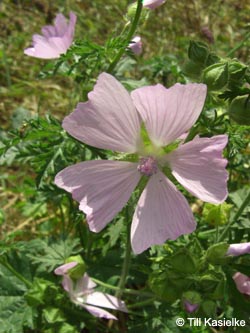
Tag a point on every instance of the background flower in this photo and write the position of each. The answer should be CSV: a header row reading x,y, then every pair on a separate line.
x,y
136,45
152,4
242,282
55,40
238,249
81,292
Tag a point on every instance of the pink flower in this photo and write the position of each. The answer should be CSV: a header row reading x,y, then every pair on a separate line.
x,y
81,292
136,45
238,249
55,40
189,307
242,282
112,119
152,4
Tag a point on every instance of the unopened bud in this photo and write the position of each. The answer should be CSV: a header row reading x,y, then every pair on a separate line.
x,y
198,52
239,110
216,76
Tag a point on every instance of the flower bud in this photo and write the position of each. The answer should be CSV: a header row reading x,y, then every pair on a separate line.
x,y
216,254
132,10
191,301
216,76
236,70
198,52
136,45
78,271
152,4
239,110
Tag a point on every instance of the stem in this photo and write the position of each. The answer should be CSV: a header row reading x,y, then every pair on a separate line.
x,y
126,262
237,47
125,290
14,272
236,216
143,303
129,36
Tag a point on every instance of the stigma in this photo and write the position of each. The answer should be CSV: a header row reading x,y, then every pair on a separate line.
x,y
147,166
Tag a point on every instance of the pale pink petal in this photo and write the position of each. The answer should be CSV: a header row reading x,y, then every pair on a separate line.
x,y
136,45
108,120
98,312
242,282
168,113
67,284
105,300
162,213
238,249
55,40
85,283
63,269
152,4
60,24
102,188
198,165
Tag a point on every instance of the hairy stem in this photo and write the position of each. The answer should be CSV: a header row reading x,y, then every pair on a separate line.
x,y
244,204
128,38
15,273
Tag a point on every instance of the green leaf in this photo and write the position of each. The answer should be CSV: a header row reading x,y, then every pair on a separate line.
x,y
55,254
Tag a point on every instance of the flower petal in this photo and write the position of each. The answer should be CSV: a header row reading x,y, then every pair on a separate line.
x,y
162,213
108,120
152,4
105,300
98,312
168,113
198,165
102,188
238,249
85,283
63,269
242,282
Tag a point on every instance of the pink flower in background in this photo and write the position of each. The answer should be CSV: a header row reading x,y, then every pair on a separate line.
x,y
189,307
242,282
55,40
112,119
152,4
81,292
136,45
238,249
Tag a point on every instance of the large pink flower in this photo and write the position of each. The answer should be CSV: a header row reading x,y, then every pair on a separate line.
x,y
81,292
112,119
55,40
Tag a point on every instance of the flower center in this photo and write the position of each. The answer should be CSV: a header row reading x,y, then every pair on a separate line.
x,y
147,166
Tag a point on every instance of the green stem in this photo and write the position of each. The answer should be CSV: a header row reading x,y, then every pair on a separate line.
x,y
236,216
125,290
237,47
129,36
14,272
126,262
143,303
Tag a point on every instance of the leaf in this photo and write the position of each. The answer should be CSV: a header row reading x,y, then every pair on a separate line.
x,y
55,254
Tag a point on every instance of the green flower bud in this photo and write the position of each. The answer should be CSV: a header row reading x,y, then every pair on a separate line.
x,y
198,52
216,214
216,76
78,271
132,10
236,70
212,59
183,262
192,69
216,254
239,110
209,308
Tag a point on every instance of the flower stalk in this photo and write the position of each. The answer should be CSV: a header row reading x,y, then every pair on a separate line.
x,y
129,37
15,273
